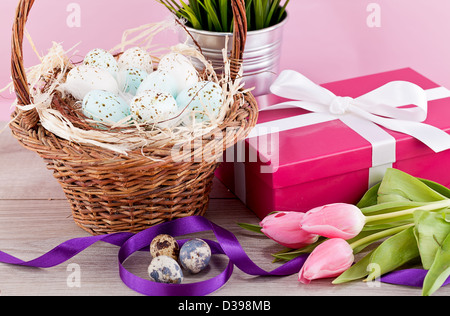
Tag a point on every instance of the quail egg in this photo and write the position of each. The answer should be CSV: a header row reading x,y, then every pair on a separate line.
x,y
163,269
195,255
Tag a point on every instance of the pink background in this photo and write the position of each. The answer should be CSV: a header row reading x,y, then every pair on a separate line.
x,y
325,40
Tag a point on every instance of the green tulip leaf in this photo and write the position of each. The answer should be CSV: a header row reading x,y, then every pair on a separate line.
x,y
439,271
370,198
437,187
251,227
399,186
430,231
356,271
390,207
394,252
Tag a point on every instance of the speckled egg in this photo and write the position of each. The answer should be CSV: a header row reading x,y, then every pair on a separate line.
x,y
159,81
181,69
130,80
136,57
106,107
164,269
164,245
83,79
153,107
202,101
100,58
195,255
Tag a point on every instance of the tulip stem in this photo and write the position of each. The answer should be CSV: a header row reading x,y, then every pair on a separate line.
x,y
432,206
377,236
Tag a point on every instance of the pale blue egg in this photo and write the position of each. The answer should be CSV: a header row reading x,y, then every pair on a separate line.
x,y
195,255
130,80
164,269
106,107
202,101
100,58
159,81
181,69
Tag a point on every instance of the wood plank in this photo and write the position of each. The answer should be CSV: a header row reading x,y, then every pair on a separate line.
x,y
35,217
31,228
24,175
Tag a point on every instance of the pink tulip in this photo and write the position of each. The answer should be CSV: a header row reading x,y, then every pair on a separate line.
x,y
284,228
334,221
328,260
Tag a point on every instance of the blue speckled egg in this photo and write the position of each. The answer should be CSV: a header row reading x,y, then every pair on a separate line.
x,y
104,106
130,79
181,69
159,81
195,255
201,101
164,269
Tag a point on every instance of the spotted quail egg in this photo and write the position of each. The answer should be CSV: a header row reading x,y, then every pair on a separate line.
x,y
164,269
195,255
164,245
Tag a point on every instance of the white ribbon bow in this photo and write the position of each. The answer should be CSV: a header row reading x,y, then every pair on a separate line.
x,y
380,106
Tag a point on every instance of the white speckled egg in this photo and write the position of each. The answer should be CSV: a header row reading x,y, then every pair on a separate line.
x,y
159,81
103,106
164,269
83,79
202,101
130,79
100,58
153,107
195,255
136,57
180,68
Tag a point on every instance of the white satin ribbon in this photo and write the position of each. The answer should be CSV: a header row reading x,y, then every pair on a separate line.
x,y
365,115
380,106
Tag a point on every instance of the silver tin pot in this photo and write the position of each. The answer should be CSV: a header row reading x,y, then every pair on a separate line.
x,y
261,56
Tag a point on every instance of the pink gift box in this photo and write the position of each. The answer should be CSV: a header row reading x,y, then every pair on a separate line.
x,y
328,162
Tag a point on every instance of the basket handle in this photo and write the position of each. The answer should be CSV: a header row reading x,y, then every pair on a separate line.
x,y
31,118
239,35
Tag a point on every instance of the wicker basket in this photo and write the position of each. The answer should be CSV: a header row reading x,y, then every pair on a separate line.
x,y
110,192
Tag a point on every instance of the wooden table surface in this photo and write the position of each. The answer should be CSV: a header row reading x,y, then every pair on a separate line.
x,y
35,217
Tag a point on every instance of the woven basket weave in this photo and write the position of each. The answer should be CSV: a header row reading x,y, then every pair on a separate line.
x,y
109,192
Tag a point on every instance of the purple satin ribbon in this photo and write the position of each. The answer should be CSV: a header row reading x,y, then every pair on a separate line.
x,y
226,244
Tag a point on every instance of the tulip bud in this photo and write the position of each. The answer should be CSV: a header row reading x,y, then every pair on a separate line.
x,y
284,228
334,221
328,260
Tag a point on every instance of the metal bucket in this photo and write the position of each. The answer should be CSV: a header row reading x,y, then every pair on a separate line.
x,y
261,56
